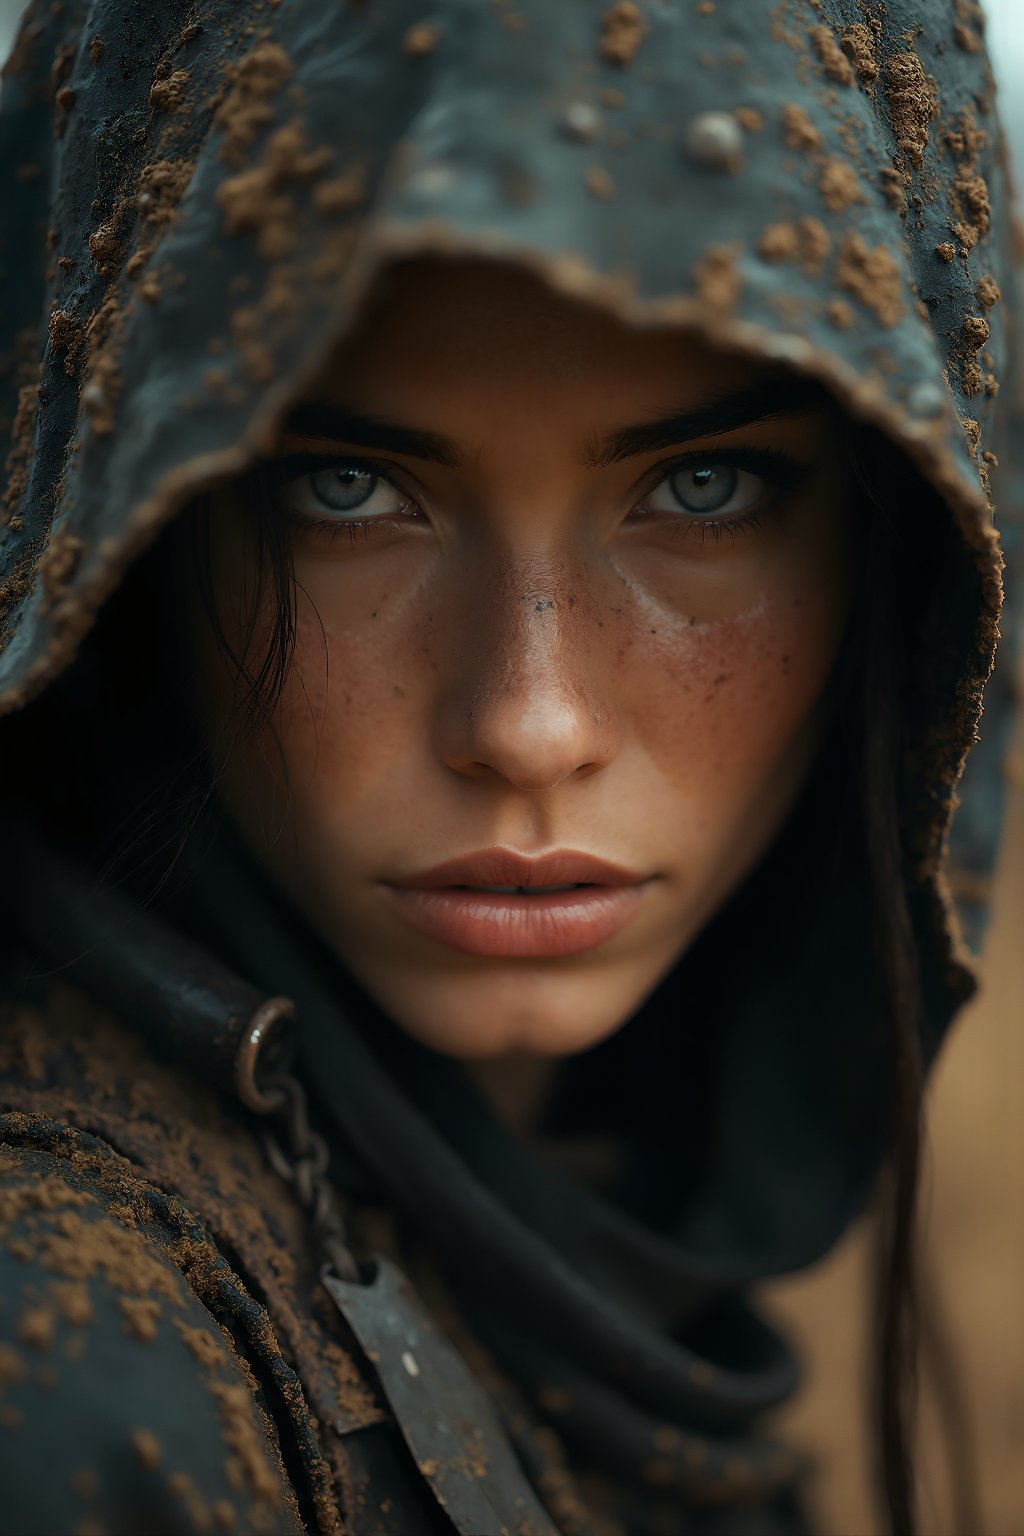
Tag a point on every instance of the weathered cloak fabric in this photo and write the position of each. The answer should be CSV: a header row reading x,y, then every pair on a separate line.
x,y
195,199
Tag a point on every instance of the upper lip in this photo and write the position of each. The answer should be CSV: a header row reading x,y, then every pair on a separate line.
x,y
503,866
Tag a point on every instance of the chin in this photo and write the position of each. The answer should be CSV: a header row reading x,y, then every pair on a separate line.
x,y
546,1016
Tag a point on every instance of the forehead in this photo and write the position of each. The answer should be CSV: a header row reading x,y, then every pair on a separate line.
x,y
494,326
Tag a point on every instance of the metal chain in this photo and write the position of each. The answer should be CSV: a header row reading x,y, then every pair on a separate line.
x,y
303,1162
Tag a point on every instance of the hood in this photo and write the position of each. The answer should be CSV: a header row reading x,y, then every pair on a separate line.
x,y
199,197
197,204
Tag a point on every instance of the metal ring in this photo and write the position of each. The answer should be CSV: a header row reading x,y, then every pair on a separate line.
x,y
264,1044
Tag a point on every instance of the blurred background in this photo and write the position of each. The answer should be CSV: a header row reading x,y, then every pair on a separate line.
x,y
974,1199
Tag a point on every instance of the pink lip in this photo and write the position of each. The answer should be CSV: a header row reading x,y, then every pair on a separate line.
x,y
442,903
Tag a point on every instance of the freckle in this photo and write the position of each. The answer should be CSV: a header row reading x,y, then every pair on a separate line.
x,y
399,692
798,602
693,621
373,615
720,679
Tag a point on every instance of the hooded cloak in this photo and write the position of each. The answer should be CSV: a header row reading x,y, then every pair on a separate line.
x,y
198,198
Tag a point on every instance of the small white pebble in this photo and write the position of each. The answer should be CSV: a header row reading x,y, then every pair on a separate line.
x,y
714,140
581,121
409,1362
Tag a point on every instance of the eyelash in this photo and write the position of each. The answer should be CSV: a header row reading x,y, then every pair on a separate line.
x,y
779,470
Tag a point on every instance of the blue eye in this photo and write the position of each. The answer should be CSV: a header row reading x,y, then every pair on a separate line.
x,y
705,489
342,488
344,491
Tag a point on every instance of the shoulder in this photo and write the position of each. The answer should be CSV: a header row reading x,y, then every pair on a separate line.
x,y
123,1404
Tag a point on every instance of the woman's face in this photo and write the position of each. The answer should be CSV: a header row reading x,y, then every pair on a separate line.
x,y
567,599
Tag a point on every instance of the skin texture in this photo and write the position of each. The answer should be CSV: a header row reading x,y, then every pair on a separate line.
x,y
536,654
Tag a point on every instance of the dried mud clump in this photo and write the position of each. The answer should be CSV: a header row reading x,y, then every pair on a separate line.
x,y
967,39
893,188
140,1316
14,588
798,131
815,245
147,1448
160,189
750,119
598,183
718,280
778,242
420,39
623,29
860,45
57,566
836,65
838,184
946,251
912,102
247,325
63,102
258,199
167,94
873,276
807,241
988,291
13,1369
969,202
66,336
248,1469
966,139
105,247
19,456
839,314
246,109
101,392
343,192
974,195
976,332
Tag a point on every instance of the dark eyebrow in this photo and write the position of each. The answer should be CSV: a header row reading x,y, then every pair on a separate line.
x,y
338,425
765,401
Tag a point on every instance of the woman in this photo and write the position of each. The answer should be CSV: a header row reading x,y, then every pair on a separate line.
x,y
551,447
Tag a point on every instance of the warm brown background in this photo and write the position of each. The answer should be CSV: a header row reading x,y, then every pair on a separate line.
x,y
974,1243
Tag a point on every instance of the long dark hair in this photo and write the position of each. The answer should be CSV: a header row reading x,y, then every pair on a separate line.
x,y
876,664
883,666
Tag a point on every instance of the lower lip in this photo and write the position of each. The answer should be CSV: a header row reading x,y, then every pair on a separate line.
x,y
524,927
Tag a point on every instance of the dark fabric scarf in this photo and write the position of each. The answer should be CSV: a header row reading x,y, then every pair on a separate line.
x,y
630,1310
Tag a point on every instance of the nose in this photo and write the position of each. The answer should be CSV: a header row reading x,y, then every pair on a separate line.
x,y
530,707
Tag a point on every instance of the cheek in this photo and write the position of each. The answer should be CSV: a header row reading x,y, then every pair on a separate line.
x,y
719,703
727,670
347,704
